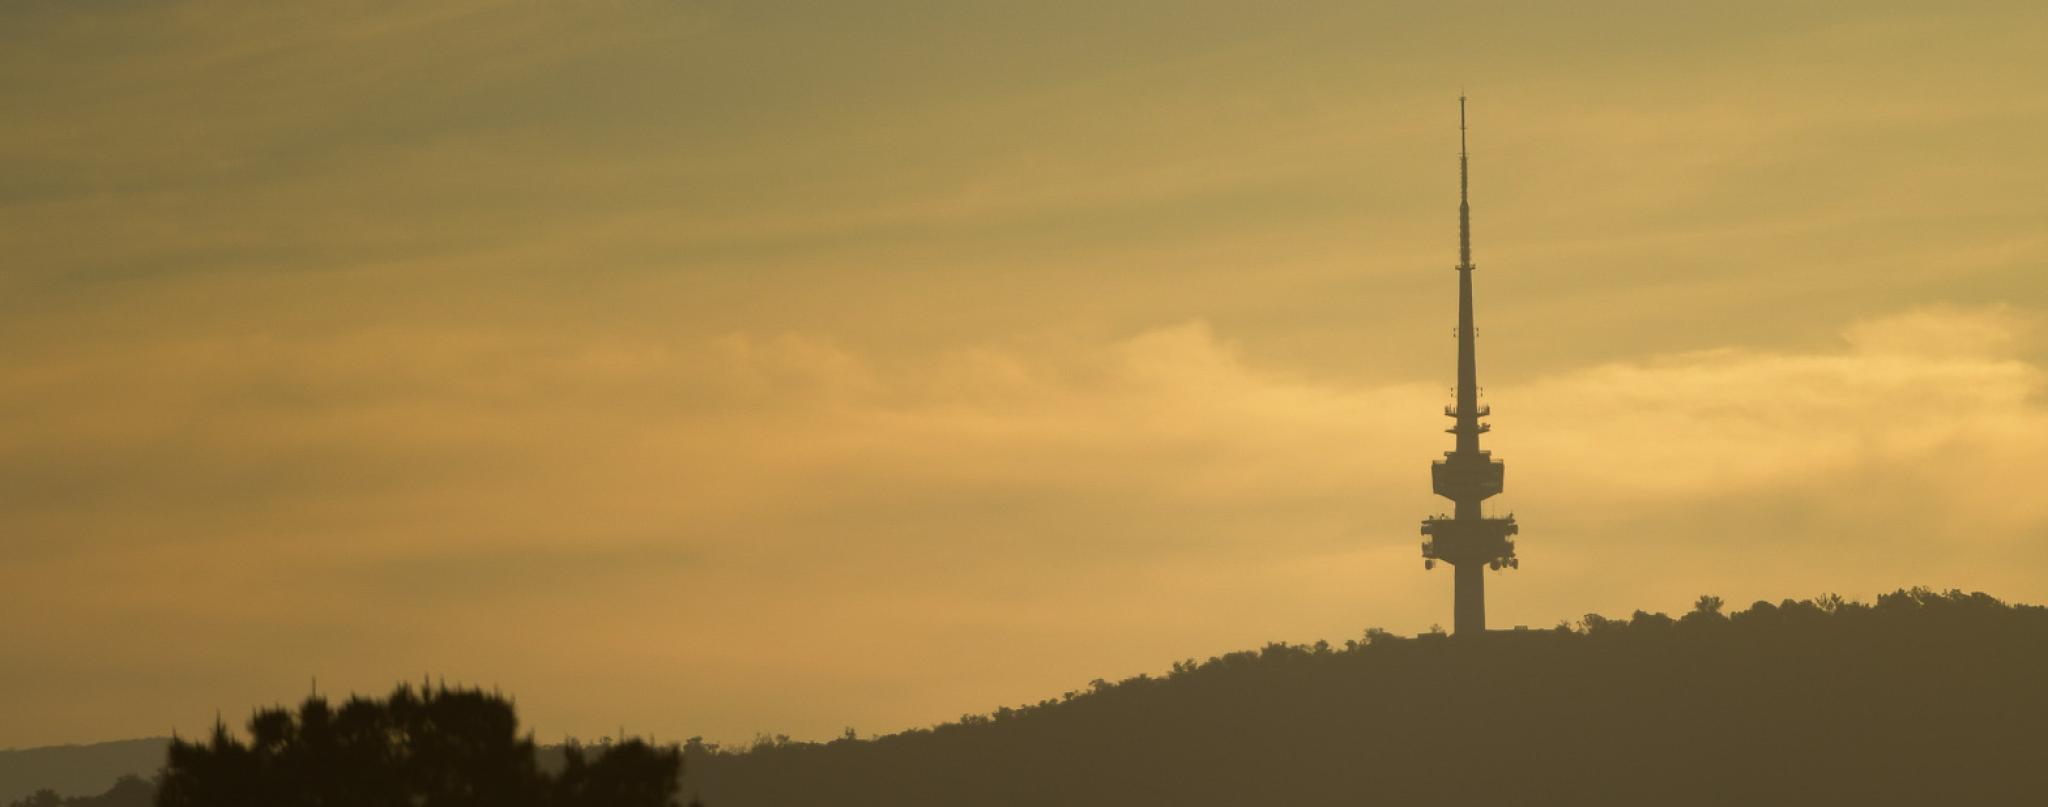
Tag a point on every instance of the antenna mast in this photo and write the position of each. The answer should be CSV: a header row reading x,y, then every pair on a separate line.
x,y
1464,203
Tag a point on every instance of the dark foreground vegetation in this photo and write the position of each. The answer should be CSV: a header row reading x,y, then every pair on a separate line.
x,y
437,747
1919,698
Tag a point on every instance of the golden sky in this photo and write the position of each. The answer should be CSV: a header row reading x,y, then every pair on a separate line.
x,y
721,367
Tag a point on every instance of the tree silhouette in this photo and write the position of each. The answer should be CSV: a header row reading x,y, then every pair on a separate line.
x,y
430,748
626,773
41,798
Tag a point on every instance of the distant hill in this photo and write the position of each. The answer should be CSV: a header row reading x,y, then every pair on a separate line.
x,y
1920,698
77,770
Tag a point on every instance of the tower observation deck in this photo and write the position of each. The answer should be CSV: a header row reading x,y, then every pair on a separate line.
x,y
1467,539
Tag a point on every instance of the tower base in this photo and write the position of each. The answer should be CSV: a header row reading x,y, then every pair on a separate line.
x,y
1470,590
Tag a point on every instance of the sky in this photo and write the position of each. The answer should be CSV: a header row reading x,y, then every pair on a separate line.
x,y
720,368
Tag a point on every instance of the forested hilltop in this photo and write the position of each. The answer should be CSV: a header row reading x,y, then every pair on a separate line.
x,y
1920,697
1937,698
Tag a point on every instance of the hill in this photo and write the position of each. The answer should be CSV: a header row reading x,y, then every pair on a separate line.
x,y
77,769
1920,697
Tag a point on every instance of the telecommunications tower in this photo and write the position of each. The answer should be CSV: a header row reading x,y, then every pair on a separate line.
x,y
1466,539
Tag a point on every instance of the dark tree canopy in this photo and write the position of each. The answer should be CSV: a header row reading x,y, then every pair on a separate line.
x,y
431,748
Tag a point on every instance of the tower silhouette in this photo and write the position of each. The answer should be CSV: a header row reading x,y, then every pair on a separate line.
x,y
1467,539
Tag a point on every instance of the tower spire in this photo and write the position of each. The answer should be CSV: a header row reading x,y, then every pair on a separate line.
x,y
1467,539
1464,203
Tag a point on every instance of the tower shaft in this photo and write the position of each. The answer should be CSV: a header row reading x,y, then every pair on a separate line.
x,y
1468,616
1467,428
